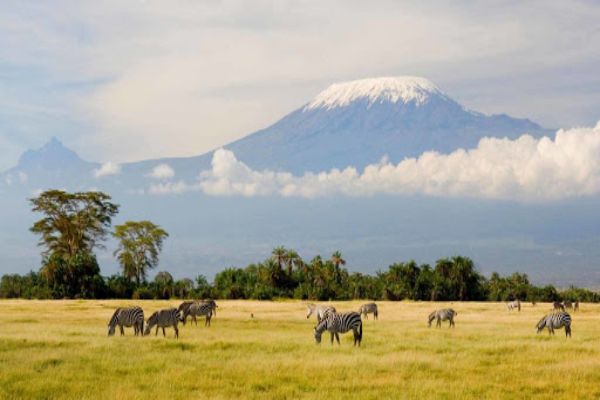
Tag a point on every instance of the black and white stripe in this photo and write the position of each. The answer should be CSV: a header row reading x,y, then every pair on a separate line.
x,y
513,305
163,319
320,311
557,305
132,316
446,314
365,309
197,308
340,323
555,320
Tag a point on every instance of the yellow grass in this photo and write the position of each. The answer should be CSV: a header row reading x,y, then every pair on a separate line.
x,y
59,349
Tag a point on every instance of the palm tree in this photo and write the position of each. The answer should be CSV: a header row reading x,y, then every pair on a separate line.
x,y
336,259
292,258
279,254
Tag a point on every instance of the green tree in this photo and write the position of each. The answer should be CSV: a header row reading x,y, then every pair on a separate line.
x,y
140,243
73,223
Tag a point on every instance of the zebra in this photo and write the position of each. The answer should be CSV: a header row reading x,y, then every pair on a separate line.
x,y
558,306
365,309
133,316
514,305
446,314
320,311
555,320
197,308
576,306
340,323
213,305
567,304
162,319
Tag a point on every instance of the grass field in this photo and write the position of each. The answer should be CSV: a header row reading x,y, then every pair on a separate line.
x,y
60,349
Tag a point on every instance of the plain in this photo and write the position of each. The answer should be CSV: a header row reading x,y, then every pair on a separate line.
x,y
258,350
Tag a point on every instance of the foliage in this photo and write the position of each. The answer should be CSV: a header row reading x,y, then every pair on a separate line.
x,y
73,223
140,243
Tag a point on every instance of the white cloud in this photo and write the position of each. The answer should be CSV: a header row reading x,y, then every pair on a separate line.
x,y
525,169
170,188
162,171
107,169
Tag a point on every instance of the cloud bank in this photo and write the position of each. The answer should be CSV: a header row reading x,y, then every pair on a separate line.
x,y
107,169
525,169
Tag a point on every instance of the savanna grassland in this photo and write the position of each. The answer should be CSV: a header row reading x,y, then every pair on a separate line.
x,y
60,349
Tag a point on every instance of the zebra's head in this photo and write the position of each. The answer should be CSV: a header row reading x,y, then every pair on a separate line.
x,y
318,336
150,323
112,324
111,329
431,318
541,325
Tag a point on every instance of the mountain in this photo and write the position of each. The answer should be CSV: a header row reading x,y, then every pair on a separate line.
x,y
356,123
52,164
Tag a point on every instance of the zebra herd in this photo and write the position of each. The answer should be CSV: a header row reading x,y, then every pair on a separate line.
x,y
169,317
328,319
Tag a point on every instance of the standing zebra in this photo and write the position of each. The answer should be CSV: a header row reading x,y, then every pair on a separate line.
x,y
133,316
514,305
163,319
213,305
320,311
555,320
558,306
365,309
576,306
195,309
567,304
340,323
446,314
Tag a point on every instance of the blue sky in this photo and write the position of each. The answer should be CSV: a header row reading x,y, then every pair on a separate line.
x,y
124,81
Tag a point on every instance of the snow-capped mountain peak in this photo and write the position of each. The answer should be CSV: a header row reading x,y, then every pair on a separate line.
x,y
403,89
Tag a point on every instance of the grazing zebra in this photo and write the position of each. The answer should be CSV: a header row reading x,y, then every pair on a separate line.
x,y
197,308
555,320
133,316
446,314
576,306
163,319
558,306
320,311
514,305
365,309
340,323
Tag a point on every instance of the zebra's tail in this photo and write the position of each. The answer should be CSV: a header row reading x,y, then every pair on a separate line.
x,y
360,332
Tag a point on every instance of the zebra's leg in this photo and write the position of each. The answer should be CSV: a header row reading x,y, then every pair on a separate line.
x,y
156,333
332,336
195,320
568,330
438,323
164,333
122,330
176,331
376,314
451,323
337,337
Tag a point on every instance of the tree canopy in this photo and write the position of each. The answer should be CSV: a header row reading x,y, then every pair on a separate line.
x,y
140,243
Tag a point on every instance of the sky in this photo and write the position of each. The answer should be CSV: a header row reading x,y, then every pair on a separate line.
x,y
129,80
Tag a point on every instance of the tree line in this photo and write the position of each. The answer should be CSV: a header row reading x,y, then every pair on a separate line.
x,y
74,224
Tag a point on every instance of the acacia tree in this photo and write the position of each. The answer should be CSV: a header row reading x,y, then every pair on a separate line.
x,y
73,222
140,243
